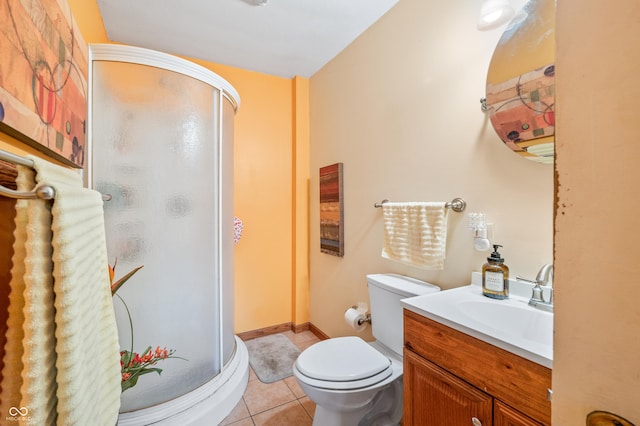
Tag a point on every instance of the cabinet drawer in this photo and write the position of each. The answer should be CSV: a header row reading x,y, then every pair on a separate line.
x,y
510,378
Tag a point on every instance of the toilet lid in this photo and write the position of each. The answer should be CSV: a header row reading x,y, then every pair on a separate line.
x,y
342,359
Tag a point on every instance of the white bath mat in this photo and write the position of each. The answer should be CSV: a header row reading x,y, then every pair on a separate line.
x,y
272,357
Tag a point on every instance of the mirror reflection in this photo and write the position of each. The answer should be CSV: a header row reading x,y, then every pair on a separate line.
x,y
520,92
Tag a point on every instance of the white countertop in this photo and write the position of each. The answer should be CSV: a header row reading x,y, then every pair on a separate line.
x,y
509,324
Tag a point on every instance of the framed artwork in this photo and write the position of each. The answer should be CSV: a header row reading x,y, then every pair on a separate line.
x,y
43,78
331,210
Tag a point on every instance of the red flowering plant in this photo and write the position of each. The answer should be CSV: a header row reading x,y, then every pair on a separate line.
x,y
132,364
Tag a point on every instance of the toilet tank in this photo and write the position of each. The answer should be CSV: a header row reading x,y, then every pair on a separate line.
x,y
385,293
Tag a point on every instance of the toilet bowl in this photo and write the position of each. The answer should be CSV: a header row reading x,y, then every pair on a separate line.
x,y
346,377
354,382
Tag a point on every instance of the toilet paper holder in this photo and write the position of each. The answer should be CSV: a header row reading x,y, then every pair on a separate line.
x,y
367,316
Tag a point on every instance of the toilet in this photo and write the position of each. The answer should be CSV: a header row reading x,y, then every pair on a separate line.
x,y
354,382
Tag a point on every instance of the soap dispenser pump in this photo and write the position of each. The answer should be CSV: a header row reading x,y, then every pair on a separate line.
x,y
495,276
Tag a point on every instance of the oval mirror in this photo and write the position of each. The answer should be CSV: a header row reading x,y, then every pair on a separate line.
x,y
520,93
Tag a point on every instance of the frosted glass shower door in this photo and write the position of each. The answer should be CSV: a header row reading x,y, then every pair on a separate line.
x,y
156,152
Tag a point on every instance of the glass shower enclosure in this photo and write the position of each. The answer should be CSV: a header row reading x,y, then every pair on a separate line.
x,y
160,151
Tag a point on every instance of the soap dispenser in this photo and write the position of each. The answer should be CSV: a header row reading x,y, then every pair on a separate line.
x,y
495,276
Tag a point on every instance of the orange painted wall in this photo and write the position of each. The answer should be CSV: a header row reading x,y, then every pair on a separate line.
x,y
10,144
264,188
301,177
263,197
87,16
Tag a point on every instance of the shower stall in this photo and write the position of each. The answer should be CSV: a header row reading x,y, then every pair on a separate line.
x,y
160,150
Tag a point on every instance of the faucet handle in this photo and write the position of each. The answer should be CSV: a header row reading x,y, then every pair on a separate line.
x,y
526,280
537,295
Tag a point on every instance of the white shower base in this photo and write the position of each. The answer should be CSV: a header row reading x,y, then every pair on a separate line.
x,y
205,406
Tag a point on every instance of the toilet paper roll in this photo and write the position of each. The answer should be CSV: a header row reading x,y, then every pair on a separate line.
x,y
355,319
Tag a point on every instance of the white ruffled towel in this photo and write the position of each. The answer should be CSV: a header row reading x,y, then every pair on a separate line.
x,y
415,233
62,361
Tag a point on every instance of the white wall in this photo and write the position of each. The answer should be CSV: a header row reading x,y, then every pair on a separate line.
x,y
400,108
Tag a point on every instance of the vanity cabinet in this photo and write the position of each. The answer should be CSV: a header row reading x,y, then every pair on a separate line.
x,y
503,415
435,397
451,378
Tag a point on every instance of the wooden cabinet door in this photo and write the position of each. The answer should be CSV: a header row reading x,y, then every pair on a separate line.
x,y
505,376
435,397
503,415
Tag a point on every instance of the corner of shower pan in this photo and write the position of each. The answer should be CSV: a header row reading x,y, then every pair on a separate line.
x,y
207,405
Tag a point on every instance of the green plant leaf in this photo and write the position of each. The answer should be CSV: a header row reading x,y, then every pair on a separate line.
x,y
115,286
133,380
130,321
127,384
126,358
150,370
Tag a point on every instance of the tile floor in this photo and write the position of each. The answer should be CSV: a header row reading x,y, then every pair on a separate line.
x,y
281,403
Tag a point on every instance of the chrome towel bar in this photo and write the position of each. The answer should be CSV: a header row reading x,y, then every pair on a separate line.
x,y
44,192
457,204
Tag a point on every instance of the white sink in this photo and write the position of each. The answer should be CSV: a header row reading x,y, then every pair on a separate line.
x,y
515,320
510,324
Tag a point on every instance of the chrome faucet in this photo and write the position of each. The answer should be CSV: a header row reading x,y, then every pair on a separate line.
x,y
543,279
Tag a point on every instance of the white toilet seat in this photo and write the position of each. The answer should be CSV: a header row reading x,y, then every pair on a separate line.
x,y
343,363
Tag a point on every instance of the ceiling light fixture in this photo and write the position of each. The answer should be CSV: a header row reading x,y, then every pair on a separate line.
x,y
257,2
494,13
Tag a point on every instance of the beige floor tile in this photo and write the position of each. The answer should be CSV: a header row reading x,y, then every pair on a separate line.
x,y
306,338
282,403
240,412
260,397
294,386
290,414
308,405
304,345
303,340
252,374
243,422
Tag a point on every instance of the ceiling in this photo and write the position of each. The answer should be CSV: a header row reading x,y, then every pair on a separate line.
x,y
284,38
